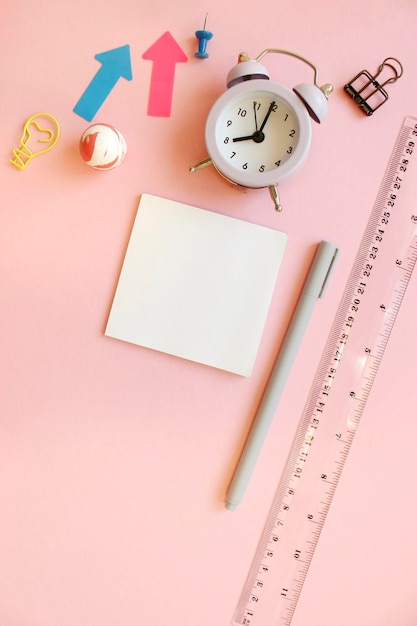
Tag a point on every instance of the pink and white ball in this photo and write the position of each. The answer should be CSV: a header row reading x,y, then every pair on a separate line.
x,y
102,147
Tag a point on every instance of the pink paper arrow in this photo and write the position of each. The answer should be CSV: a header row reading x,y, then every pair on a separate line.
x,y
165,54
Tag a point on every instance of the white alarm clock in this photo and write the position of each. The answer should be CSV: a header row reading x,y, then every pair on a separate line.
x,y
259,132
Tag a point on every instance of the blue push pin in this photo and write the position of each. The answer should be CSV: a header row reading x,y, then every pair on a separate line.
x,y
203,37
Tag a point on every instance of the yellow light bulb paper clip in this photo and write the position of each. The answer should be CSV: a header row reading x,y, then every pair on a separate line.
x,y
40,134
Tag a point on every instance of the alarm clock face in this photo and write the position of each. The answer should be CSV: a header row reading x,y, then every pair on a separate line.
x,y
258,133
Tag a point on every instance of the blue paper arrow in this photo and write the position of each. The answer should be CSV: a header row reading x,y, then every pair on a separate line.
x,y
115,64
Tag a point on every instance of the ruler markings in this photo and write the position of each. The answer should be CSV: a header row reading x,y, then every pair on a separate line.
x,y
324,436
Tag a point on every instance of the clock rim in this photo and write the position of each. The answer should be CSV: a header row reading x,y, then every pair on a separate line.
x,y
258,180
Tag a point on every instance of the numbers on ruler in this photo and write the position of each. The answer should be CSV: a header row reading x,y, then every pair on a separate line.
x,y
408,150
303,455
390,203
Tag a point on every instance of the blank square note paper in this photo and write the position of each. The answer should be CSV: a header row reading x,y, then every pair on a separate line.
x,y
196,284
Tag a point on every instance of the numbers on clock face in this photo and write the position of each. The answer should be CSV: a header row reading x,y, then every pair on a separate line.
x,y
258,134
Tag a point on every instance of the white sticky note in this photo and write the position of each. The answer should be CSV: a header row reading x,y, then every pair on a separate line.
x,y
196,284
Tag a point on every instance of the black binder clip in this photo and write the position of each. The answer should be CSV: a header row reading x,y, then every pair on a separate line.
x,y
369,93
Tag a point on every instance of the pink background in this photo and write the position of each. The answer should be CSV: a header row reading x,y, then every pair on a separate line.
x,y
114,459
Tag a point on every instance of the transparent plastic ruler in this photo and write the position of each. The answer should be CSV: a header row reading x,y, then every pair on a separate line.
x,y
349,364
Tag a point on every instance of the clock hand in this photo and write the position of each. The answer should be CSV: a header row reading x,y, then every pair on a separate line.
x,y
243,138
271,107
254,112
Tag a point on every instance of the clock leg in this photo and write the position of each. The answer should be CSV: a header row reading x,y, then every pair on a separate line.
x,y
273,191
200,165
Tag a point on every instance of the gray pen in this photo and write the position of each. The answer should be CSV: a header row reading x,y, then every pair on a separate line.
x,y
314,288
